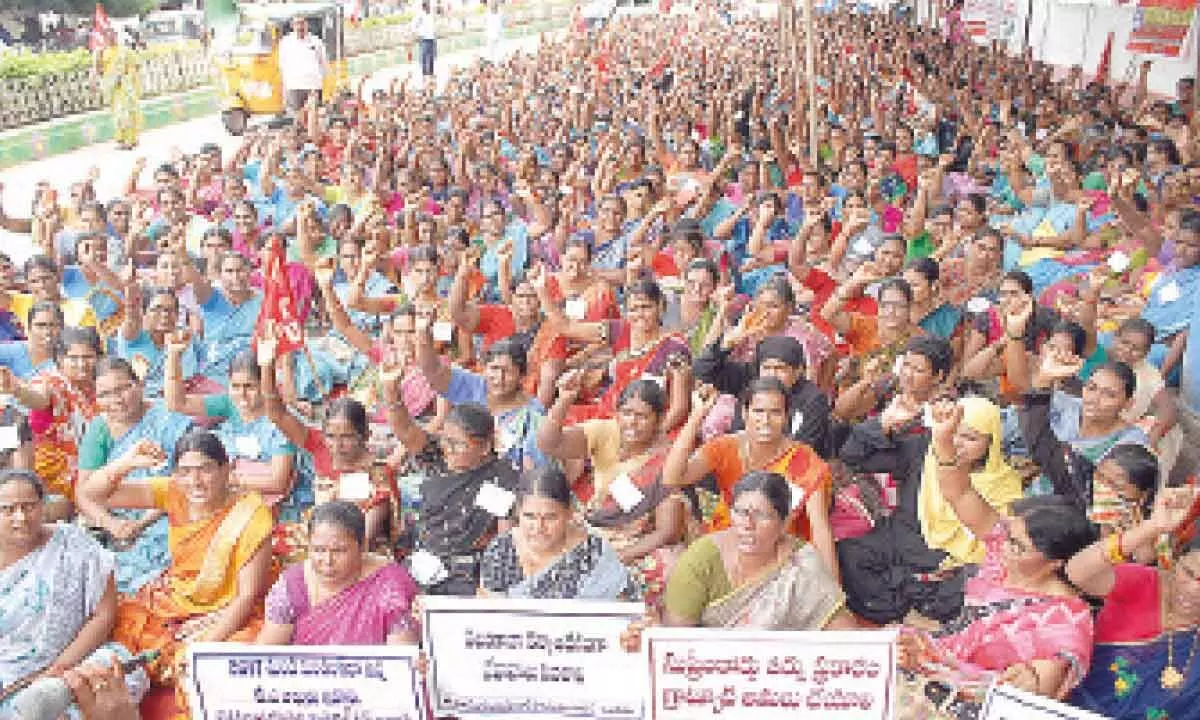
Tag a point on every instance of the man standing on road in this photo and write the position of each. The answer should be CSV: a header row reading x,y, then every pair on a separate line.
x,y
493,30
425,28
303,64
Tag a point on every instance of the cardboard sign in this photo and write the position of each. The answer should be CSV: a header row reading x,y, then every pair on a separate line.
x,y
1008,703
759,675
228,680
498,658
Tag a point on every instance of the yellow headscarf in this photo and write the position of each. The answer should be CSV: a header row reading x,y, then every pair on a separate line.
x,y
998,483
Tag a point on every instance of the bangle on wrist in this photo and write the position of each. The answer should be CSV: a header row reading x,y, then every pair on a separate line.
x,y
1014,338
1112,549
946,463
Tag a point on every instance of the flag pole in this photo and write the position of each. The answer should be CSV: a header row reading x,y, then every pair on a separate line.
x,y
810,62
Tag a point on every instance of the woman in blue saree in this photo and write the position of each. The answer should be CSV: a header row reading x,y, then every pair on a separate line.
x,y
125,419
494,233
1143,664
928,311
548,556
1172,295
57,598
230,314
30,357
263,459
143,337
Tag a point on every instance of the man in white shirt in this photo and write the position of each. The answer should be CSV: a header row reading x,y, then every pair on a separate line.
x,y
303,64
493,30
425,28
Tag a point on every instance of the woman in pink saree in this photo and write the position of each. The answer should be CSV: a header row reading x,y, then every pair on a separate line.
x,y
1023,622
311,601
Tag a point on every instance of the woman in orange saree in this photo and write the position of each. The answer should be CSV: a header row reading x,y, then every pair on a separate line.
x,y
763,445
581,298
220,552
61,400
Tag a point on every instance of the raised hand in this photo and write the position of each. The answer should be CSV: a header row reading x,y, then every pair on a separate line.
x,y
1017,316
901,411
1172,506
144,456
947,415
570,385
177,341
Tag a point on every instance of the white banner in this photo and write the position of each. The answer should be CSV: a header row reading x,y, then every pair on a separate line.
x,y
759,675
237,681
501,658
1008,703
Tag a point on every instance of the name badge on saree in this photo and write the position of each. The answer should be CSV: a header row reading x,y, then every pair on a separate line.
x,y
9,438
354,487
427,568
798,495
495,499
576,309
247,446
442,331
625,493
1169,293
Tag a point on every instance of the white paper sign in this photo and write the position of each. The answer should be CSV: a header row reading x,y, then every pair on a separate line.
x,y
228,680
1008,703
495,499
759,675
501,658
354,486
9,438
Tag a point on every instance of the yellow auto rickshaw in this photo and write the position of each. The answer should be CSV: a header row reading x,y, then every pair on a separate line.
x,y
250,79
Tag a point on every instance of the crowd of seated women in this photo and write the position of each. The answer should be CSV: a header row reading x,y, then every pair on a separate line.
x,y
589,324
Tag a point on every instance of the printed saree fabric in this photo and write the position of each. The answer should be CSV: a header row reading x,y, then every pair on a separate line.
x,y
206,556
796,594
380,603
802,467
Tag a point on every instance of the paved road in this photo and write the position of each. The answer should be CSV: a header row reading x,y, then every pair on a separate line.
x,y
156,146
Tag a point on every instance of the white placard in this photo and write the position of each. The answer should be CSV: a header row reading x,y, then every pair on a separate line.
x,y
228,680
759,675
1008,703
502,658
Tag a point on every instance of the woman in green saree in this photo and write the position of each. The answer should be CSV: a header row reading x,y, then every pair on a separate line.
x,y
755,575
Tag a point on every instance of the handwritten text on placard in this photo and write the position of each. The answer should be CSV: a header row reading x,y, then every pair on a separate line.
x,y
755,675
531,657
233,681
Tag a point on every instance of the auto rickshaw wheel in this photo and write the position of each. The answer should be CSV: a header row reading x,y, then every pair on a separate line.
x,y
235,121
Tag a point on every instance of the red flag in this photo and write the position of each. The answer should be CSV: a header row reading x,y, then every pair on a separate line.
x,y
102,30
1102,67
279,317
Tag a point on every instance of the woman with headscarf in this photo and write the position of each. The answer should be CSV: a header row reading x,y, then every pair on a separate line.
x,y
911,560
